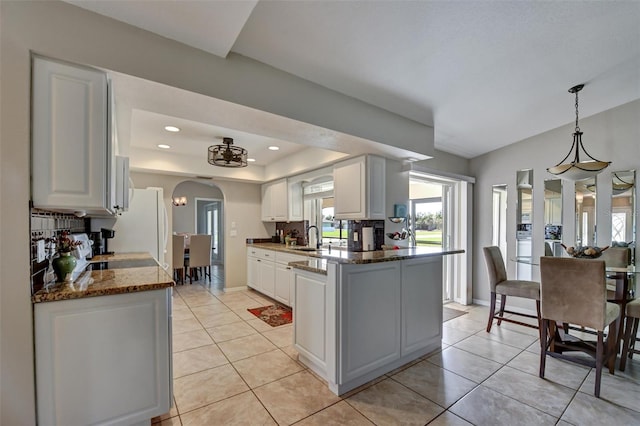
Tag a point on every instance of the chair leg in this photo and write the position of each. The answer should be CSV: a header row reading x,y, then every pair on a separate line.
x,y
543,346
191,275
539,320
634,333
599,353
612,349
503,302
631,323
492,311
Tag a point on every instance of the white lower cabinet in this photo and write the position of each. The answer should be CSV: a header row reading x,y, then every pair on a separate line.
x,y
361,321
268,272
104,360
421,304
369,318
310,325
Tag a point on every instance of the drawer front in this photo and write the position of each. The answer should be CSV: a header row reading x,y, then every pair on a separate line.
x,y
261,253
285,258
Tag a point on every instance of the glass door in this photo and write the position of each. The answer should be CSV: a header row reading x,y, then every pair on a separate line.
x,y
431,224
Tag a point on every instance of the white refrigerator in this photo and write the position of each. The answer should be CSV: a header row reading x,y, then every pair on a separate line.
x,y
143,228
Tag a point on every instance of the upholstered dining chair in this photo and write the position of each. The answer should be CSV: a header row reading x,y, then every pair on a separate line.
x,y
178,258
574,291
504,287
200,255
630,332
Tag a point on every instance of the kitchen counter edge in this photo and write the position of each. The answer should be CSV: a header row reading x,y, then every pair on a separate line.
x,y
351,257
92,283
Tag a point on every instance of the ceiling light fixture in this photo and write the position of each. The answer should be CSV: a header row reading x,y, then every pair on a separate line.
x,y
577,169
164,146
274,148
226,155
172,128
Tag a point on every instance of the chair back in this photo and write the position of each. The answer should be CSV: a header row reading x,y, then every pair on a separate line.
x,y
495,266
178,251
617,257
573,291
200,250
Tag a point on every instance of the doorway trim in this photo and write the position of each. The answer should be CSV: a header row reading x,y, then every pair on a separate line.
x,y
219,240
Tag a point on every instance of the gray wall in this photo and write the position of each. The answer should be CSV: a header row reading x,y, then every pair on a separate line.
x,y
613,135
184,217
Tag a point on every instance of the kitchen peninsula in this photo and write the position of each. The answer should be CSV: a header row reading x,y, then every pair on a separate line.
x,y
359,315
103,344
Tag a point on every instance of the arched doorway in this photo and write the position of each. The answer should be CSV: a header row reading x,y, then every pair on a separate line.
x,y
199,209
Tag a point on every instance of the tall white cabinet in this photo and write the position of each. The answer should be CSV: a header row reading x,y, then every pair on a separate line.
x,y
73,158
359,188
104,360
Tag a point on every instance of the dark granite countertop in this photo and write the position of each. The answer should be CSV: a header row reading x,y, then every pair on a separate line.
x,y
111,274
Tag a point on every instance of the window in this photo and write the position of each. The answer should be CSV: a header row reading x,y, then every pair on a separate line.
x,y
319,211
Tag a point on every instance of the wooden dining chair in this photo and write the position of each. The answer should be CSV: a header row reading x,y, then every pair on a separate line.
x,y
200,255
573,291
630,332
499,284
178,258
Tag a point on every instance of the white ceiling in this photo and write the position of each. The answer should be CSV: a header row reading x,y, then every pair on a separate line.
x,y
485,74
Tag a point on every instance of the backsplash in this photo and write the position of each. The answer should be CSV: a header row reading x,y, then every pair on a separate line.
x,y
300,229
45,225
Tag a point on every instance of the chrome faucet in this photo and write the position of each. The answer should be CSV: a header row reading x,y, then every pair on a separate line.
x,y
317,235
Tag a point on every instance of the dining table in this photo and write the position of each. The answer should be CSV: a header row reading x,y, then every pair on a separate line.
x,y
625,289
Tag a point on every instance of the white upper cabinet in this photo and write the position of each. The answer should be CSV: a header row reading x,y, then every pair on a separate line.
x,y
359,188
281,201
72,156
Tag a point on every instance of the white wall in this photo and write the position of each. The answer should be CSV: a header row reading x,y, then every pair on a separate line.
x,y
613,135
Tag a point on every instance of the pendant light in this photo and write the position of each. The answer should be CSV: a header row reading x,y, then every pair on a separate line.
x,y
226,155
578,168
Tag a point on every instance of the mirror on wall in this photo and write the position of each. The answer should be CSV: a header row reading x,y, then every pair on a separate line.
x,y
586,212
553,217
524,217
623,208
499,221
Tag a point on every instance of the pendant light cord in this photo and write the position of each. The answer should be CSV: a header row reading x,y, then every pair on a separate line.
x,y
577,127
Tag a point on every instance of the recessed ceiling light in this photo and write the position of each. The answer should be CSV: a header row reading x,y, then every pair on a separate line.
x,y
163,146
172,128
251,160
274,148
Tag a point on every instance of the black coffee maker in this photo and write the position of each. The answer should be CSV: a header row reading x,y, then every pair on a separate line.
x,y
106,235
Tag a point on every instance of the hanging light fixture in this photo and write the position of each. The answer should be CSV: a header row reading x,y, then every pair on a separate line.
x,y
578,169
619,185
226,155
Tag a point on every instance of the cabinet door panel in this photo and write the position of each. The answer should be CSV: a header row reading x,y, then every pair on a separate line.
x,y
103,360
421,303
369,318
349,189
283,276
70,133
310,319
267,277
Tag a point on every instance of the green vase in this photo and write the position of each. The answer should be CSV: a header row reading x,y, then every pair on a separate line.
x,y
63,266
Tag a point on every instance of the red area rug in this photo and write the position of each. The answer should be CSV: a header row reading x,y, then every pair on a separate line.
x,y
274,315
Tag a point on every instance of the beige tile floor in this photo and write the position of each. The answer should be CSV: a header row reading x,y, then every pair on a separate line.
x,y
232,369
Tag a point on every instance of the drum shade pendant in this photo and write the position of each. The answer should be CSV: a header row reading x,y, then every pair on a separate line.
x,y
578,168
226,155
